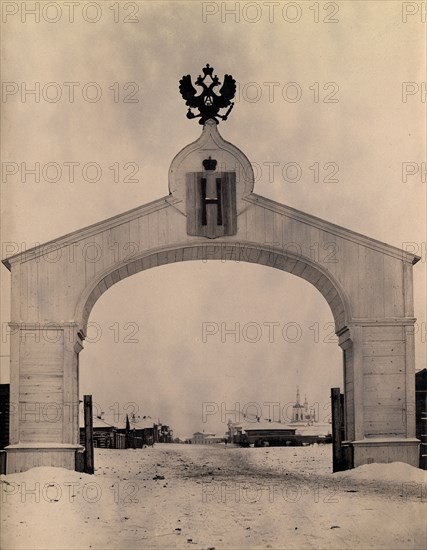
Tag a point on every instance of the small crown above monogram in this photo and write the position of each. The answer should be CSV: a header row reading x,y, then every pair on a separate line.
x,y
209,164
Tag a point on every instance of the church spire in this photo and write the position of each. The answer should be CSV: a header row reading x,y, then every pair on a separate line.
x,y
297,396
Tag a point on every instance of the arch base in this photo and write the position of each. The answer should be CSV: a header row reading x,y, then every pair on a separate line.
x,y
385,450
23,456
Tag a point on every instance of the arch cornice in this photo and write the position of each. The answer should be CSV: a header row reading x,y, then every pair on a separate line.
x,y
333,229
171,201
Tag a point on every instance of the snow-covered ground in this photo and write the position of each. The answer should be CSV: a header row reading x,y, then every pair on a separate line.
x,y
182,496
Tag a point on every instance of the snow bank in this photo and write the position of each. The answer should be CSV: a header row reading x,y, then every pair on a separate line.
x,y
47,507
394,471
44,472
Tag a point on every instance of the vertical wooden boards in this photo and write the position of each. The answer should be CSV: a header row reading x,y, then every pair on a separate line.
x,y
41,360
384,384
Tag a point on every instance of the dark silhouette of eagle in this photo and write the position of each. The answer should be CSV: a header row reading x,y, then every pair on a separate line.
x,y
208,102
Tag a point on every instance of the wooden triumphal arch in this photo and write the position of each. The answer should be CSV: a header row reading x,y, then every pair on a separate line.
x,y
211,212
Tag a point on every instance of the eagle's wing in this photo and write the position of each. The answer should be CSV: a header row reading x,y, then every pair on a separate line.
x,y
227,90
188,91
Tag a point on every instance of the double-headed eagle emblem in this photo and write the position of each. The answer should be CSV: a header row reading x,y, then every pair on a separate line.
x,y
209,103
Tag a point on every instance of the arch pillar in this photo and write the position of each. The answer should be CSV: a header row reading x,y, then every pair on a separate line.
x,y
379,370
44,408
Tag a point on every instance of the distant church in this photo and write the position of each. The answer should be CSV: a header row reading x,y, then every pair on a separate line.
x,y
302,413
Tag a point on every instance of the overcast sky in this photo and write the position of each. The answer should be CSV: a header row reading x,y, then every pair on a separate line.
x,y
344,108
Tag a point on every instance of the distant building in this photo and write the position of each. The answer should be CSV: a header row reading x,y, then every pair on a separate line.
x,y
302,413
128,433
260,433
233,429
164,433
213,439
103,434
198,438
202,438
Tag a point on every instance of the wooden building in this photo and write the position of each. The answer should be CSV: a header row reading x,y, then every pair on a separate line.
x,y
103,434
4,415
4,424
128,434
421,414
262,434
275,434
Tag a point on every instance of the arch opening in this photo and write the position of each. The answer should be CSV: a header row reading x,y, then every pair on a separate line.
x,y
271,365
288,261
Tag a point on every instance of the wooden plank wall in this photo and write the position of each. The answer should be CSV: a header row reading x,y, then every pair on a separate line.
x,y
40,388
384,366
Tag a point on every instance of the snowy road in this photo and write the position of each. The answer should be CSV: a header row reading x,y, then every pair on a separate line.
x,y
196,496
